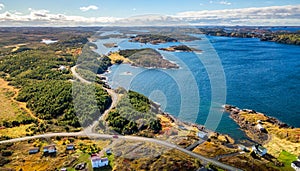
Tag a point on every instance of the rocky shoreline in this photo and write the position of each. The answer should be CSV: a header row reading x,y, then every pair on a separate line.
x,y
256,126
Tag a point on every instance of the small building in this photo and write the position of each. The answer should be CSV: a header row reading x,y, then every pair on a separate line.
x,y
108,151
34,150
63,169
62,68
261,128
70,147
98,162
296,165
259,150
49,149
243,148
201,134
80,166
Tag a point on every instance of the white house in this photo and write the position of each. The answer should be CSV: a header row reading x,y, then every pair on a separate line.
x,y
99,162
62,68
296,165
260,127
259,150
201,134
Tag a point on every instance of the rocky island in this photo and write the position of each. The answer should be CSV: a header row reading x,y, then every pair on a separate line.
x,y
146,57
159,38
180,48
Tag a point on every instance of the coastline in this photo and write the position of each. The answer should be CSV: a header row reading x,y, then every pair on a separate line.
x,y
268,131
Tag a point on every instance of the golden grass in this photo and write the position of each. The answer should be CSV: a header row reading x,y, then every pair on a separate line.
x,y
276,145
20,158
212,149
253,117
15,132
116,56
286,139
10,108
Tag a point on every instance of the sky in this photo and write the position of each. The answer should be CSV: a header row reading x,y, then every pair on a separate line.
x,y
148,12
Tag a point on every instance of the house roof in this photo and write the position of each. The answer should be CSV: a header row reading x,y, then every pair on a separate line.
x,y
70,145
97,158
48,146
259,148
34,148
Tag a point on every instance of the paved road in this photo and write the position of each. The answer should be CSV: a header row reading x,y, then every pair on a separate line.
x,y
75,74
114,97
132,138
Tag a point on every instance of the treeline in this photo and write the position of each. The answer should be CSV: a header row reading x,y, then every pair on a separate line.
x,y
35,65
287,38
91,63
133,114
54,100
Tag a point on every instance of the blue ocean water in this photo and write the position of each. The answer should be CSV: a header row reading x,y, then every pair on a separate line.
x,y
263,76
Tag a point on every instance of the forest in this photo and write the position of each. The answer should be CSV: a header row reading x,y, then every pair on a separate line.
x,y
133,114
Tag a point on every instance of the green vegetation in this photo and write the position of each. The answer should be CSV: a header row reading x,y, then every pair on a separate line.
x,y
133,114
152,38
287,38
287,158
182,48
54,99
46,89
90,64
146,58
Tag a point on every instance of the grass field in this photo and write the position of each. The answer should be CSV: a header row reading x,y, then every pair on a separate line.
x,y
10,110
20,158
116,56
287,158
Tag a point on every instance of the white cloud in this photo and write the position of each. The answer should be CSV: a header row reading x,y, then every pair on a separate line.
x,y
2,6
225,3
87,8
45,18
222,2
274,15
282,15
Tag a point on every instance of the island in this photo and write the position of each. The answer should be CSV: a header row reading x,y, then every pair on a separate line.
x,y
180,48
145,57
162,38
263,33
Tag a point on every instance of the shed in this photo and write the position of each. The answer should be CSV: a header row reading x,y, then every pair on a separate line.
x,y
34,150
70,147
49,149
296,165
108,151
201,134
259,150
